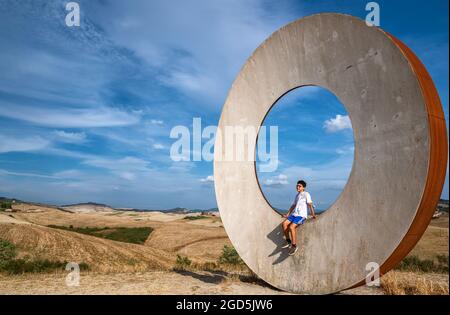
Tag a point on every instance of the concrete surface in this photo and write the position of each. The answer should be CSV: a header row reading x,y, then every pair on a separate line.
x,y
369,222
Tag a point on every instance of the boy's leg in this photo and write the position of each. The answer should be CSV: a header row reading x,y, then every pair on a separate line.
x,y
285,226
293,230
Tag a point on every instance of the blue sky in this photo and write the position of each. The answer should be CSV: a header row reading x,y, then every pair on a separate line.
x,y
315,144
86,112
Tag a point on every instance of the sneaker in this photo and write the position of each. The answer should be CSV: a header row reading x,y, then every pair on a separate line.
x,y
288,244
293,250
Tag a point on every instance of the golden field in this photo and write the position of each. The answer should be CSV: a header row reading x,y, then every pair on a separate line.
x,y
150,268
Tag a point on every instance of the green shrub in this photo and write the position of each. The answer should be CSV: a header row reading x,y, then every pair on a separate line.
x,y
443,262
20,266
135,235
230,256
129,235
11,265
194,217
415,264
83,230
183,262
7,252
6,204
209,266
83,266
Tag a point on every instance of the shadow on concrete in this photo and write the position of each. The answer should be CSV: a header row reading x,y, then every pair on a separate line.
x,y
214,278
277,237
217,276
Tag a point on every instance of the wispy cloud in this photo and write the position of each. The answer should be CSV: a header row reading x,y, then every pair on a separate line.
x,y
71,117
22,144
203,47
26,174
128,163
156,121
70,173
70,137
279,180
324,175
158,146
127,175
345,150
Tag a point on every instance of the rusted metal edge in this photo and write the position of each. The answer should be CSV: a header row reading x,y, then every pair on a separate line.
x,y
437,163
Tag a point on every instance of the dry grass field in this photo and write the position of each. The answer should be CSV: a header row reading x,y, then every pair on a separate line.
x,y
413,283
154,267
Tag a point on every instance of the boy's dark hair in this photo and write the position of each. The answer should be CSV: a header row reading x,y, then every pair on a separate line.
x,y
302,182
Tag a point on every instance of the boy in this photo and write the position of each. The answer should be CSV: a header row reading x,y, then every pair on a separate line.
x,y
297,215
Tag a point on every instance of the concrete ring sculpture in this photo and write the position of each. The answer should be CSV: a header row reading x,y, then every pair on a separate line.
x,y
399,163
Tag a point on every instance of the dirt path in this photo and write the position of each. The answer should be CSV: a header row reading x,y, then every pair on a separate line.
x,y
158,282
178,248
155,282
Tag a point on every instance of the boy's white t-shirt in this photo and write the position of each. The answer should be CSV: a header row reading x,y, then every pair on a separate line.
x,y
301,201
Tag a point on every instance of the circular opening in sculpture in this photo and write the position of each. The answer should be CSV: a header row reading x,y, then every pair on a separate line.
x,y
307,136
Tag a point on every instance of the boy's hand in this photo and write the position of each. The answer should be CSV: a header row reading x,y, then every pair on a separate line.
x,y
284,216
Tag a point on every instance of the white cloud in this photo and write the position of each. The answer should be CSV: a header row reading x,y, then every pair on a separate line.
x,y
128,168
72,173
156,122
125,136
207,179
123,164
70,137
276,180
127,175
71,117
324,175
345,150
158,146
71,153
25,174
324,181
22,144
181,167
332,175
337,124
204,46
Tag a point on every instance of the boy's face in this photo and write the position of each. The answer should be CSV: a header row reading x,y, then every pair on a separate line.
x,y
300,188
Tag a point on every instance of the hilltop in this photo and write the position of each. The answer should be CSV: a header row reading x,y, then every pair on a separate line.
x,y
88,207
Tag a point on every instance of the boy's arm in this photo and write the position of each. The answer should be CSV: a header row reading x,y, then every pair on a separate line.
x,y
289,211
313,213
